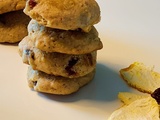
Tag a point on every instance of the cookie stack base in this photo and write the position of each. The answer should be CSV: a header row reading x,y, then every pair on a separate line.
x,y
46,83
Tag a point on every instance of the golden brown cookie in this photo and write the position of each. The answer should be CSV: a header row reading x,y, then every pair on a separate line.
x,y
43,82
11,5
71,66
13,26
69,42
64,14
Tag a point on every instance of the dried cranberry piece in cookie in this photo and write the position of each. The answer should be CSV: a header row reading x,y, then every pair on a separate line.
x,y
32,3
156,95
70,65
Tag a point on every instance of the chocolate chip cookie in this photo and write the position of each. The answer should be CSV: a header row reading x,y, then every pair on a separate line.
x,y
43,82
71,66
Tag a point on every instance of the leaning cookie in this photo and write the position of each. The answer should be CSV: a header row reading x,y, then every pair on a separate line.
x,y
64,14
70,66
11,5
43,82
13,26
62,41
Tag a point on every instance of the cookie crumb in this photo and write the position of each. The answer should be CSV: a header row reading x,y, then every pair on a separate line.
x,y
32,3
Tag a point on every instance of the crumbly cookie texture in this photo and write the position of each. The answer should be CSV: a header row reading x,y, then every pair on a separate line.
x,y
71,66
11,5
141,77
140,109
13,26
64,14
43,82
62,41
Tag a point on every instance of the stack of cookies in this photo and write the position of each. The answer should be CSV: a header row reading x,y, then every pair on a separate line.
x,y
13,22
61,46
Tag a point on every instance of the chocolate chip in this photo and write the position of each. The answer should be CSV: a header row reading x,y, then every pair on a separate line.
x,y
156,95
32,55
32,4
34,83
70,65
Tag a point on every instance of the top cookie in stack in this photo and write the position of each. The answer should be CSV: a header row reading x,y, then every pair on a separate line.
x,y
62,44
13,22
64,14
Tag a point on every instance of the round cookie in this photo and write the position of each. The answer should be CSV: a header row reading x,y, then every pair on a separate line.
x,y
64,14
68,42
13,26
70,66
43,82
11,5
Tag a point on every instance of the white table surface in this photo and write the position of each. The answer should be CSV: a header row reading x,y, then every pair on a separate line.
x,y
129,30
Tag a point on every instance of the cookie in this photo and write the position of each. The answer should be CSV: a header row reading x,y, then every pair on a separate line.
x,y
69,42
141,77
11,5
13,26
64,14
43,82
71,66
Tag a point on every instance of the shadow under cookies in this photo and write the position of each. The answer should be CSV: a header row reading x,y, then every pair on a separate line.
x,y
105,87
